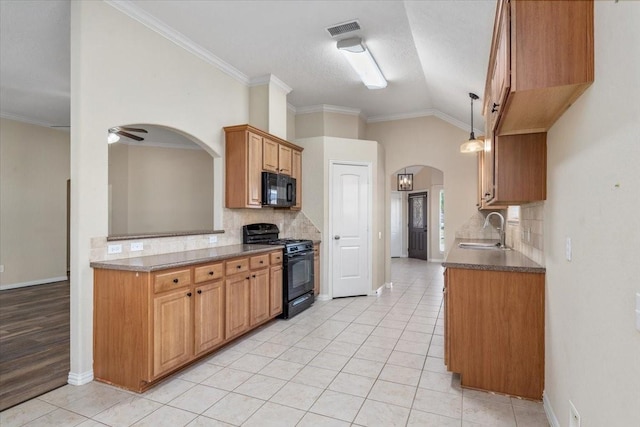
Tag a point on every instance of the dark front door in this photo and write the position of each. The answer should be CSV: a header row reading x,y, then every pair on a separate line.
x,y
418,225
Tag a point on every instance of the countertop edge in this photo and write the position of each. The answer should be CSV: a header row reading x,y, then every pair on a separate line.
x,y
477,259
193,257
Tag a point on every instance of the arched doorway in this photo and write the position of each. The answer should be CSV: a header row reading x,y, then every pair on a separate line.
x,y
416,219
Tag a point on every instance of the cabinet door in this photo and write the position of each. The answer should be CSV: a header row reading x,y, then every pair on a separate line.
x,y
172,329
208,316
254,170
316,269
237,305
284,159
296,172
270,155
260,296
275,283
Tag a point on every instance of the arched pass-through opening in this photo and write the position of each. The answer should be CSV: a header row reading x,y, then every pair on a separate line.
x,y
161,181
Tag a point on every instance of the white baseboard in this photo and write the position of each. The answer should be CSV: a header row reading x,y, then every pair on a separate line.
x,y
323,297
81,378
33,283
388,285
548,409
438,260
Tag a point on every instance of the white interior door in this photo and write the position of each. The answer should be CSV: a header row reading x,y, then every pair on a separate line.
x,y
396,224
350,217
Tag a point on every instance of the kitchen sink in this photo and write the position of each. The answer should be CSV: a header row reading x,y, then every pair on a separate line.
x,y
482,245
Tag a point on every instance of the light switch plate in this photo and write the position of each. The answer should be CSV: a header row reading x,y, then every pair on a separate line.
x,y
213,239
638,311
137,246
1,268
567,249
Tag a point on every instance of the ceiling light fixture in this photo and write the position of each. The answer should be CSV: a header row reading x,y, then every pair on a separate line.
x,y
473,145
113,137
362,62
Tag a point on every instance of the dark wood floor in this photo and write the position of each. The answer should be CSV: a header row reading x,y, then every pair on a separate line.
x,y
34,341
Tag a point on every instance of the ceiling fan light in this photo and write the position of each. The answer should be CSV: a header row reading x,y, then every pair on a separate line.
x,y
360,59
113,137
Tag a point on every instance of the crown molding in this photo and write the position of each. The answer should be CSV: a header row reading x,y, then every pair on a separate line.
x,y
29,120
325,108
292,108
270,79
423,113
176,37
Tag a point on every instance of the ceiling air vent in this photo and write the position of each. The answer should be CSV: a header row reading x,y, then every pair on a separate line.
x,y
345,27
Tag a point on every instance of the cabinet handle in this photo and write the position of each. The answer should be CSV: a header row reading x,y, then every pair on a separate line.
x,y
487,194
175,280
238,267
247,277
211,273
254,276
199,291
261,262
494,109
189,294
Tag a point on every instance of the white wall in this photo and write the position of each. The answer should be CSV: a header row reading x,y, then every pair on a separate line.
x,y
161,84
432,142
34,169
593,197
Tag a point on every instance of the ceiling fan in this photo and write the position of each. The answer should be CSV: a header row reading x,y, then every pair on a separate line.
x,y
116,132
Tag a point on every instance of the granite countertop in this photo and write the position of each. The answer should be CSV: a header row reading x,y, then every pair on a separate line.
x,y
182,259
484,259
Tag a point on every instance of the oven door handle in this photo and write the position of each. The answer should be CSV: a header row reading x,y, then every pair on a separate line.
x,y
300,254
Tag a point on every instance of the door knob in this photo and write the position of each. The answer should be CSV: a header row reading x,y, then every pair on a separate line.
x,y
336,237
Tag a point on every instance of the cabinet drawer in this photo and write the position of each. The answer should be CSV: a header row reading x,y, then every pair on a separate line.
x,y
237,266
259,261
208,272
171,280
276,258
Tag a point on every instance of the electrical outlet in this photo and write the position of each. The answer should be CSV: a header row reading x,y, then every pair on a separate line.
x,y
574,417
213,239
137,246
567,249
1,268
114,249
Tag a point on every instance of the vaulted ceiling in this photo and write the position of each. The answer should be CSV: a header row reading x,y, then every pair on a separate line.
x,y
433,53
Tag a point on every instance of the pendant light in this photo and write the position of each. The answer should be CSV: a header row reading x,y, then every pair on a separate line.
x,y
473,145
405,181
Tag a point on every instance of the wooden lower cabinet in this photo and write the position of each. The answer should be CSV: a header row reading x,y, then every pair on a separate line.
x,y
260,296
209,317
172,330
494,330
149,324
237,304
276,297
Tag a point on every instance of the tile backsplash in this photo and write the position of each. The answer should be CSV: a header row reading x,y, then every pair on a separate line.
x,y
291,224
527,235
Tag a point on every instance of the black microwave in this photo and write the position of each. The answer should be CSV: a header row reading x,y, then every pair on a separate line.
x,y
278,190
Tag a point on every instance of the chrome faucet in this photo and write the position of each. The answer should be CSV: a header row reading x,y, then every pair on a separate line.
x,y
501,230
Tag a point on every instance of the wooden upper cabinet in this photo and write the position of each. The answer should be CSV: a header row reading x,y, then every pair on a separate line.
x,y
284,159
243,169
249,152
270,156
296,172
542,60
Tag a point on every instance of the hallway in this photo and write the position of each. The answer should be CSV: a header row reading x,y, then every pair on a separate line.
x,y
364,361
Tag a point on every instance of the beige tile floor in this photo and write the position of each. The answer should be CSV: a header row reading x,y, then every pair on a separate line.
x,y
364,361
